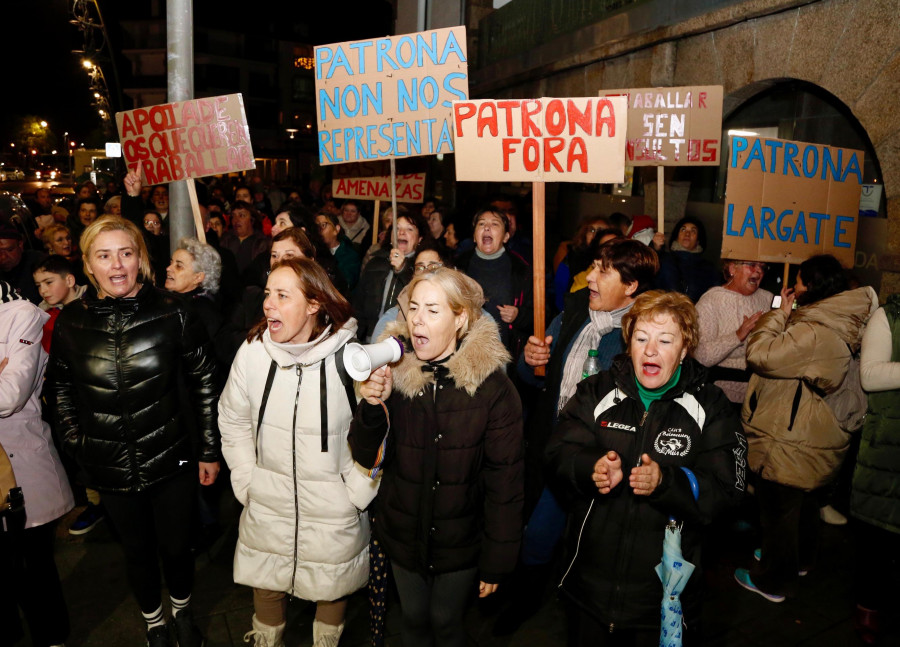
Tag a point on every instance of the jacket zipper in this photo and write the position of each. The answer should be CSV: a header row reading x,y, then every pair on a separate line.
x,y
126,418
624,545
612,625
294,466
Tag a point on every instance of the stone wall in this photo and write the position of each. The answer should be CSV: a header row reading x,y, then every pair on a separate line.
x,y
851,48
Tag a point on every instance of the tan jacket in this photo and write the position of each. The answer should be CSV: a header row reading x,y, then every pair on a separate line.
x,y
793,436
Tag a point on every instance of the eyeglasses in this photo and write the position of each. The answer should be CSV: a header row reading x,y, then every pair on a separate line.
x,y
323,225
762,267
151,222
421,268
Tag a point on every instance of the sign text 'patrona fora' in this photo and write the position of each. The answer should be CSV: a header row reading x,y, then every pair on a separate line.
x,y
566,140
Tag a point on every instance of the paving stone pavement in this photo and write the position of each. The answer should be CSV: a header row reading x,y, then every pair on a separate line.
x,y
104,614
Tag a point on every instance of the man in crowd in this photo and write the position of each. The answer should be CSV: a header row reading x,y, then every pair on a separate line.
x,y
159,198
16,263
344,255
354,226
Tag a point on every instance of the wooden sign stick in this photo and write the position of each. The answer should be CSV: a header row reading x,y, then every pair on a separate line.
x,y
660,199
393,203
787,269
539,236
195,208
376,220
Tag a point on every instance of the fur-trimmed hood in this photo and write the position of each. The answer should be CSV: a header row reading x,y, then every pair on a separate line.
x,y
478,355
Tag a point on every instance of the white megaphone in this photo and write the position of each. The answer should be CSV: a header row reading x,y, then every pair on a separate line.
x,y
361,360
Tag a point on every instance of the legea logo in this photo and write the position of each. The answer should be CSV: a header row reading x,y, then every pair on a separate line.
x,y
617,425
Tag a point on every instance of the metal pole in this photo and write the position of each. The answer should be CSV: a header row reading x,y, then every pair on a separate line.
x,y
180,66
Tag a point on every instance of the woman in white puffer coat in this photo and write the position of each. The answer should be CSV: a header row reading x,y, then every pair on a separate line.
x,y
284,417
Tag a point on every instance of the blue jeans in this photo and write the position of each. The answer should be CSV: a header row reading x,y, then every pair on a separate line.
x,y
544,530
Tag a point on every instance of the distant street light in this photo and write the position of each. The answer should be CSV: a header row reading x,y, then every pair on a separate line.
x,y
87,64
43,124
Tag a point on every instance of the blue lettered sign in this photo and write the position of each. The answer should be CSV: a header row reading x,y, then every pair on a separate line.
x,y
786,201
389,97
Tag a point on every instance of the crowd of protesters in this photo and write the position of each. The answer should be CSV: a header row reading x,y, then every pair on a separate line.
x,y
669,389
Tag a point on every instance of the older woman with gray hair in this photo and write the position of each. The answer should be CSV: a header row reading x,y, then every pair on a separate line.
x,y
195,271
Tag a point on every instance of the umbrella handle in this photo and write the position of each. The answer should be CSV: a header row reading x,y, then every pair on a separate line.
x,y
695,488
692,479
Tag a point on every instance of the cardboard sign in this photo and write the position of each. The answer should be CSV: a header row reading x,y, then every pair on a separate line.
x,y
389,97
531,140
786,201
673,126
410,187
186,139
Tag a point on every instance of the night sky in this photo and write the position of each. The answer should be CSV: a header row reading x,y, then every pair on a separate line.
x,y
42,76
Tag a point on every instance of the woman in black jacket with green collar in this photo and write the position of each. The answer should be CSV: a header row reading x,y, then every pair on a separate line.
x,y
620,451
120,359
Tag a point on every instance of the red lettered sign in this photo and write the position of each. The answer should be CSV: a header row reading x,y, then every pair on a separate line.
x,y
186,139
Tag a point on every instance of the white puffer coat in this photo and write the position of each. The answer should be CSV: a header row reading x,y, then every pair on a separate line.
x,y
302,530
23,434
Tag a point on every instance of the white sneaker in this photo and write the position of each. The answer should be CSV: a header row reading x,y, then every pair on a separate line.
x,y
325,635
831,516
265,635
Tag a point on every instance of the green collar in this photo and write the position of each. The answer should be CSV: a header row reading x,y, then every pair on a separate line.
x,y
651,395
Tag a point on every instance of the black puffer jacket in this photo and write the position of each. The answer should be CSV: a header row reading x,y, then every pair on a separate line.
x,y
118,366
451,496
616,539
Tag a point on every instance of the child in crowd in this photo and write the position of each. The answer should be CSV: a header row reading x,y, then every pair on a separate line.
x,y
55,281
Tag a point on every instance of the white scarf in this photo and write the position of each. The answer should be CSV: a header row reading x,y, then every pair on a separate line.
x,y
601,323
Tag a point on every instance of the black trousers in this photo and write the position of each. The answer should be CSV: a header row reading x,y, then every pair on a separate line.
x,y
876,551
790,536
30,581
156,524
434,606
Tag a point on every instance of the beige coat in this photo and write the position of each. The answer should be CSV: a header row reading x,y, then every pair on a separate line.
x,y
793,436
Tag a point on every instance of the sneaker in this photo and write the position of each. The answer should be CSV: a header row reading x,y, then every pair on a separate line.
x,y
159,636
831,516
742,577
186,632
757,555
88,519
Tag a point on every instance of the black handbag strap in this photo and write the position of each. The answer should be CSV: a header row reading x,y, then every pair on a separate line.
x,y
262,405
346,380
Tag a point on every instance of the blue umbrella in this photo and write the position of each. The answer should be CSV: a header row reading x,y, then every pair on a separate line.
x,y
674,572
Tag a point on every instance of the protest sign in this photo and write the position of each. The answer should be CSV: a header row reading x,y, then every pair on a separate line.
x,y
786,201
390,97
530,140
673,126
410,187
186,139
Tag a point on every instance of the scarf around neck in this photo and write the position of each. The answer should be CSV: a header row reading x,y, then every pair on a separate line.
x,y
601,323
